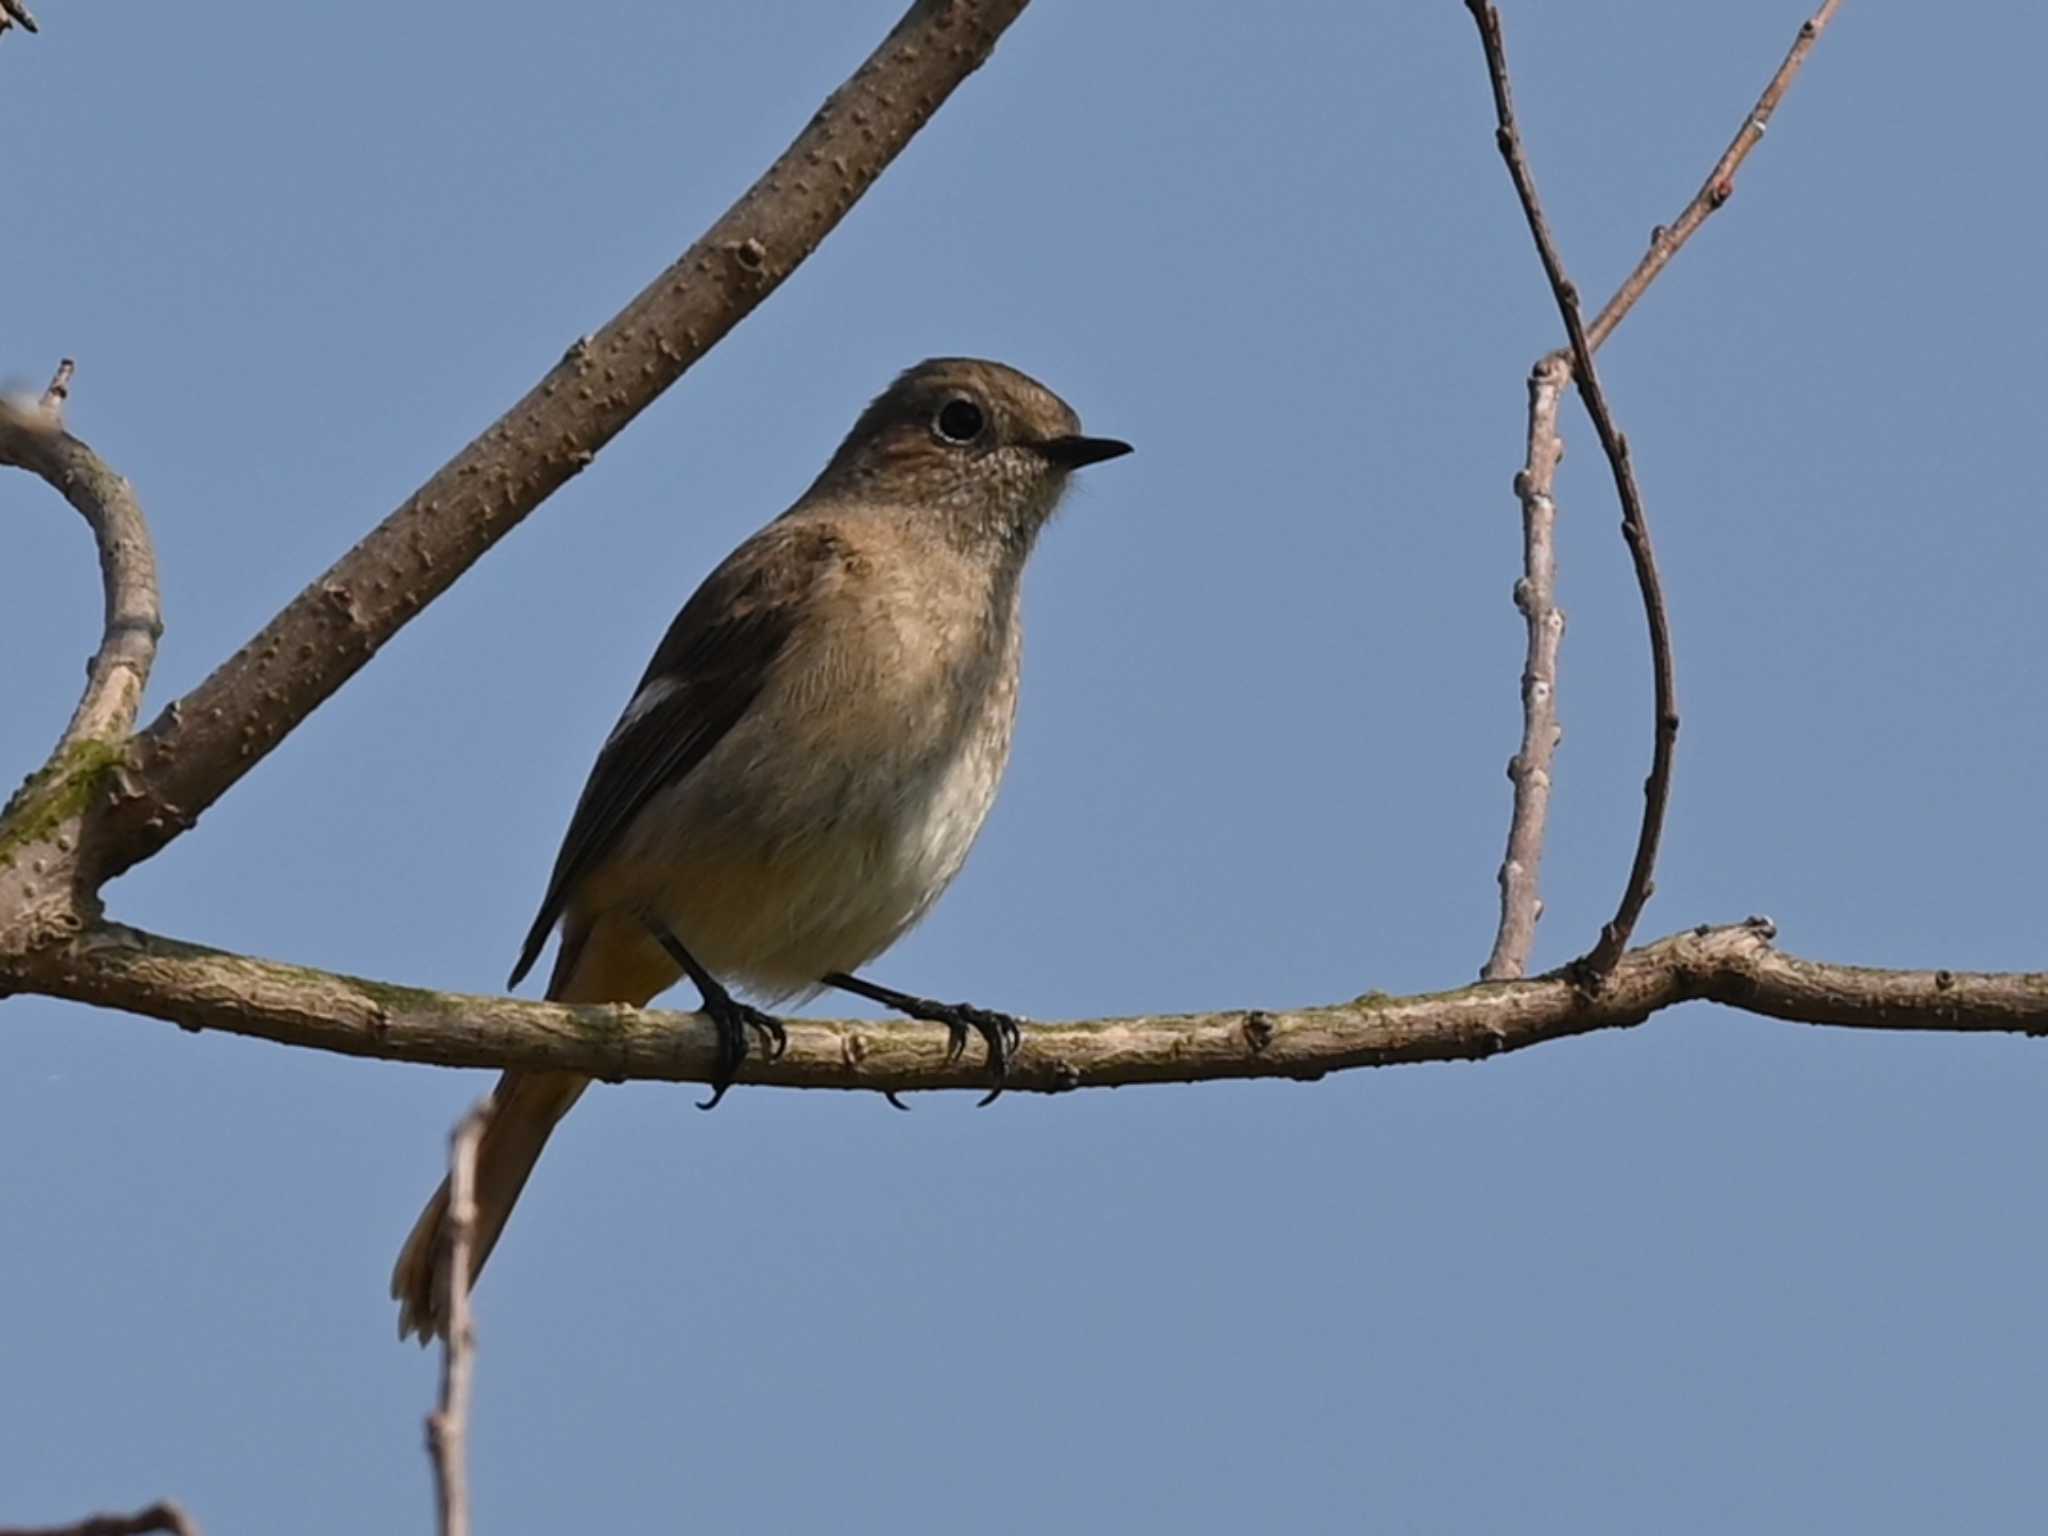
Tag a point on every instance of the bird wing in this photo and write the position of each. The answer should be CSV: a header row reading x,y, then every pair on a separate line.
x,y
705,675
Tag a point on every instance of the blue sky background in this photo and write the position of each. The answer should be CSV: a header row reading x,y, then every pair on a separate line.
x,y
1713,1273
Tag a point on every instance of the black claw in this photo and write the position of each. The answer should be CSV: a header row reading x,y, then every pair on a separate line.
x,y
890,1095
1001,1033
732,1019
998,1031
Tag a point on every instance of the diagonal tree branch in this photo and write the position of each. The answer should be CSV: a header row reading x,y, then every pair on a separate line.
x,y
197,988
1666,240
1521,901
1635,528
205,742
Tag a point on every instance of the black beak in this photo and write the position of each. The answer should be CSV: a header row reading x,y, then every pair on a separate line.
x,y
1073,452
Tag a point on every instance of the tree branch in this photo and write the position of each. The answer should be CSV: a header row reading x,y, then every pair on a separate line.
x,y
1521,870
136,972
1521,901
32,437
1635,528
206,741
448,1424
47,875
1666,240
59,388
163,1516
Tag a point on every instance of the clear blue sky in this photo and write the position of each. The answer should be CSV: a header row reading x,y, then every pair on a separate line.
x,y
1715,1273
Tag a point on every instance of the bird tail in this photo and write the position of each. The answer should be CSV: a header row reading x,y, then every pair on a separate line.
x,y
528,1105
609,960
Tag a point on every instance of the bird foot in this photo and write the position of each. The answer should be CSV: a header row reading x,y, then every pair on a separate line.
x,y
728,1015
999,1032
733,1019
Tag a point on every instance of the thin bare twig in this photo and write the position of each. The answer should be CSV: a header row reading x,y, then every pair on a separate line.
x,y
1536,593
1614,936
162,1516
122,969
33,438
448,1424
205,742
59,389
1667,239
1521,902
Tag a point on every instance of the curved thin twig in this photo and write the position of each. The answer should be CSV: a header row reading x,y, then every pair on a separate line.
x,y
32,437
1535,593
134,972
206,741
48,868
1614,936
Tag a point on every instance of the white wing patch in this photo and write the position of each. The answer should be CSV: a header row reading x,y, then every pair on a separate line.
x,y
652,697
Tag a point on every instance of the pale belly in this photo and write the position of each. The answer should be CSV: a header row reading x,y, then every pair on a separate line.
x,y
772,889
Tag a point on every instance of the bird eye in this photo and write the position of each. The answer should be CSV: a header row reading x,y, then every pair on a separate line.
x,y
960,421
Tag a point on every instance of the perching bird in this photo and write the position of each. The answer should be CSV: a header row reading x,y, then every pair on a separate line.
x,y
807,759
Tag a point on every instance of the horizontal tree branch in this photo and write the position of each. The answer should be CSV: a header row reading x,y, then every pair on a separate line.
x,y
202,744
164,1516
123,968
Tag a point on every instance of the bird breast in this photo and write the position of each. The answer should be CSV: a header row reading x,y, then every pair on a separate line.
x,y
838,810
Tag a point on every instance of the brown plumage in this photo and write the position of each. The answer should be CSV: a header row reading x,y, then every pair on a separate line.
x,y
810,754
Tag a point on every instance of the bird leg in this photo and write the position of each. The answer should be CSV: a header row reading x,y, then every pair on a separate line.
x,y
999,1031
728,1015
